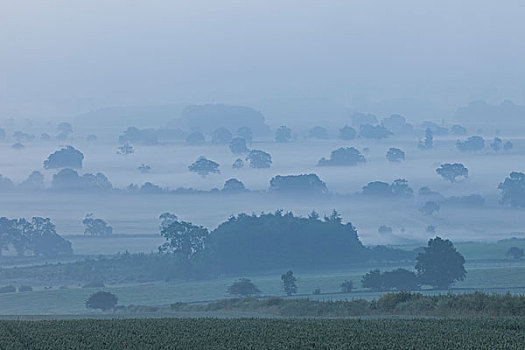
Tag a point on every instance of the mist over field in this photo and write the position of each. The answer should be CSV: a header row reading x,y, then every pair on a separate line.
x,y
262,159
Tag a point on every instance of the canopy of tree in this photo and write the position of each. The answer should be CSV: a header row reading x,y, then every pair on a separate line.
x,y
69,180
204,167
343,157
450,171
67,157
259,159
283,134
513,190
473,143
374,132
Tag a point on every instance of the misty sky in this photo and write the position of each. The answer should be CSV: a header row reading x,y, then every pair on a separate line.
x,y
59,58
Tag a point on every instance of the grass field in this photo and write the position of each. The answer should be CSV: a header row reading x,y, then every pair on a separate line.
x,y
265,334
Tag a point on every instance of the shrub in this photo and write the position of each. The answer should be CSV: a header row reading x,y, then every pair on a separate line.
x,y
102,300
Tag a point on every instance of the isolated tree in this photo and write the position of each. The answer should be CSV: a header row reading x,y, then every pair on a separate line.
x,y
244,287
347,133
239,163
246,133
64,130
318,132
283,134
429,208
497,144
343,157
515,252
184,239
450,171
377,188
221,136
96,227
238,146
304,183
347,287
204,166
233,186
196,138
125,149
440,264
289,283
513,190
428,142
395,155
102,300
372,280
67,157
259,159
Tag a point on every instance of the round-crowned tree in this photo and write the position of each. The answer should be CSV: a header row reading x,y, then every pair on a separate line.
x,y
244,287
102,300
395,155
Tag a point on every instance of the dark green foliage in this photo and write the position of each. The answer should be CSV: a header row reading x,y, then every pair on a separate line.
x,y
283,134
67,157
243,286
102,300
473,143
203,167
400,279
305,184
515,253
347,286
440,265
184,239
349,156
265,334
450,171
289,283
395,155
259,159
513,190
269,241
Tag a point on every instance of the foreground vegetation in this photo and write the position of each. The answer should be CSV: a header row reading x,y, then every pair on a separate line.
x,y
264,334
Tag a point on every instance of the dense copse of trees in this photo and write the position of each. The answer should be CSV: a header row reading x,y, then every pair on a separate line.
x,y
473,143
137,136
37,237
259,159
439,265
374,131
67,157
513,190
398,188
450,171
347,133
283,134
343,157
96,227
70,180
395,155
204,166
298,184
497,145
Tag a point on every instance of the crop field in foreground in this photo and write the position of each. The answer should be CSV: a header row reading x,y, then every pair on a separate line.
x,y
491,333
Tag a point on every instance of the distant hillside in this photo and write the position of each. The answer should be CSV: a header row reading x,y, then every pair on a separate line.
x,y
209,117
482,112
